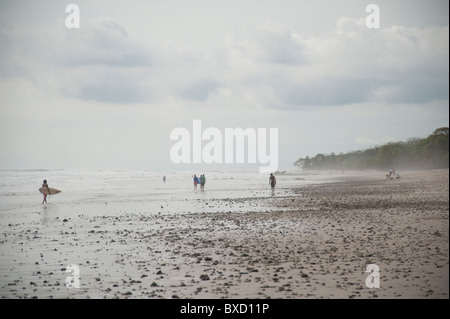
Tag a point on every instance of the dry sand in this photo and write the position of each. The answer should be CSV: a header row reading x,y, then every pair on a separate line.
x,y
317,245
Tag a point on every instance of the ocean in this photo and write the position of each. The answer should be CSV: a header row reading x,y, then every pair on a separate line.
x,y
110,192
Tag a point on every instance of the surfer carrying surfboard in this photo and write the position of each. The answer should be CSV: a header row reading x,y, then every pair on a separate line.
x,y
45,190
45,185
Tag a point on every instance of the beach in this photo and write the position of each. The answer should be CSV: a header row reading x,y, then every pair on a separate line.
x,y
308,241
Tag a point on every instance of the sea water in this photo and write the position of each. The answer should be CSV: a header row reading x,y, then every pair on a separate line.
x,y
109,192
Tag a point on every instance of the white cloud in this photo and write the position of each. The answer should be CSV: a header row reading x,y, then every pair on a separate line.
x,y
365,141
372,142
388,139
266,43
354,64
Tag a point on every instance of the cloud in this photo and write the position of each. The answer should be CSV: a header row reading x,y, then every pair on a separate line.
x,y
98,62
102,41
267,64
365,141
199,90
268,43
113,92
353,64
371,141
326,92
388,139
149,68
10,64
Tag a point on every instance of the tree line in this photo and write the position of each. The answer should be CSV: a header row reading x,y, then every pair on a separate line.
x,y
415,153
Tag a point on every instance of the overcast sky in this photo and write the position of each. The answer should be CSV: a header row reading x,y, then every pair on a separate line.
x,y
107,95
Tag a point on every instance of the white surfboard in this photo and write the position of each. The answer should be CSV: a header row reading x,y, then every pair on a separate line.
x,y
53,191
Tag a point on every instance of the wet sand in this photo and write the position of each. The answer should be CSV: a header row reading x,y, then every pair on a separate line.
x,y
315,245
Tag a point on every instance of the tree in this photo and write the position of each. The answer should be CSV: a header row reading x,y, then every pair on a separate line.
x,y
430,152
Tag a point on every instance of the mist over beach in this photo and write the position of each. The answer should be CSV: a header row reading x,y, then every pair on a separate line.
x,y
193,150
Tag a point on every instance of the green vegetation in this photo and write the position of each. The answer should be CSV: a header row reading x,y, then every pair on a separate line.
x,y
415,153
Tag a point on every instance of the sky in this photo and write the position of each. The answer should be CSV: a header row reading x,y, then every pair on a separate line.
x,y
108,94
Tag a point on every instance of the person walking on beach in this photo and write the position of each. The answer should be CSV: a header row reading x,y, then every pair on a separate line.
x,y
202,182
196,181
272,182
164,179
44,184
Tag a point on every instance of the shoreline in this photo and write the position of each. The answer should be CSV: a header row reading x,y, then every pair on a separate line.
x,y
317,245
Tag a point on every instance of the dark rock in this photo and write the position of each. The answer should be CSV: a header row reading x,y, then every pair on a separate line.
x,y
204,277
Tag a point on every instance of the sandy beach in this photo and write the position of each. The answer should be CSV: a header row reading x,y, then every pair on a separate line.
x,y
315,244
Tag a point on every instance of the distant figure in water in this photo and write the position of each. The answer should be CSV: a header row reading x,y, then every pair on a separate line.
x,y
272,182
44,184
389,174
196,181
202,182
164,179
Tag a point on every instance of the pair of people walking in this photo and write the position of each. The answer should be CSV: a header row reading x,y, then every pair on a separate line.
x,y
200,180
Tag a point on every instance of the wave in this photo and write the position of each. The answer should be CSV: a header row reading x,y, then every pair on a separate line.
x,y
26,170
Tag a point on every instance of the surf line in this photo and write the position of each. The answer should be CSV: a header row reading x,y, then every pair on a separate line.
x,y
213,151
